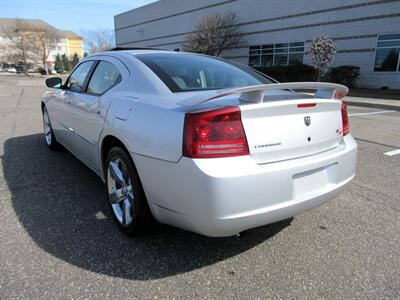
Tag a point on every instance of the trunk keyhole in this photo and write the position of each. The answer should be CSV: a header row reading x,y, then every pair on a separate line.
x,y
309,139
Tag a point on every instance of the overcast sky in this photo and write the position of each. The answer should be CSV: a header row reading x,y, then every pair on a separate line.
x,y
76,15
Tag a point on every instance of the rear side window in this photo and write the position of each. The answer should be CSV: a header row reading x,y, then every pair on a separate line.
x,y
76,82
105,76
189,72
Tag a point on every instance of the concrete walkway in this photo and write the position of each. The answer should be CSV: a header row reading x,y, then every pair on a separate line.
x,y
373,102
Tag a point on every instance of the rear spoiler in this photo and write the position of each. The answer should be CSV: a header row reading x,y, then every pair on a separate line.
x,y
255,93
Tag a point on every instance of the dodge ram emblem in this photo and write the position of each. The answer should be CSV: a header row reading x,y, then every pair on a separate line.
x,y
307,120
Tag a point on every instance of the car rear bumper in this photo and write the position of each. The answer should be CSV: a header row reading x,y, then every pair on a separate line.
x,y
224,196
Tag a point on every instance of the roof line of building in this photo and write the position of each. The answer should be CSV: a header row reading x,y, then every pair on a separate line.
x,y
70,33
170,16
146,5
36,25
377,2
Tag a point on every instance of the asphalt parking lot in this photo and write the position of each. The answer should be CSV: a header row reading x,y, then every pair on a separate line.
x,y
57,238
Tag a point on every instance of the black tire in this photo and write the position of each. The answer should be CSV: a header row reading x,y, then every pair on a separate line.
x,y
49,136
143,221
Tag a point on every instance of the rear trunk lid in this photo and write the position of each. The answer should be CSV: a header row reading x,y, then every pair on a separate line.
x,y
288,129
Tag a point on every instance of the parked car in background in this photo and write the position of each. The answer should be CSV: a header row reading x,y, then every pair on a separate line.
x,y
12,70
20,69
198,142
59,70
42,71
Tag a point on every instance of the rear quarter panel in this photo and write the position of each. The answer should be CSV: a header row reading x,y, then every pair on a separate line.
x,y
146,129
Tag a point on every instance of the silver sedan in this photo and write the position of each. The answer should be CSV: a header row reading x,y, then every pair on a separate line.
x,y
198,142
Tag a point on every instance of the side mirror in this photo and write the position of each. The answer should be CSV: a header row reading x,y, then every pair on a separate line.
x,y
54,82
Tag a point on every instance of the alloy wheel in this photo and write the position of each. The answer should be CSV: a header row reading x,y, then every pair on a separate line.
x,y
47,127
120,191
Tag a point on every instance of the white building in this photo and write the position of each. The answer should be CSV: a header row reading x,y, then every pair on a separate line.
x,y
277,32
69,44
61,49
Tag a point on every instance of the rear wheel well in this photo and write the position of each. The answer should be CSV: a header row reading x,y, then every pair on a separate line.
x,y
108,143
145,219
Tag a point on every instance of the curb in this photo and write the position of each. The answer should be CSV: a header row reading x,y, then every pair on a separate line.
x,y
373,105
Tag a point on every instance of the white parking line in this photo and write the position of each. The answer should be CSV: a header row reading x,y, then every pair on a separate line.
x,y
393,152
372,113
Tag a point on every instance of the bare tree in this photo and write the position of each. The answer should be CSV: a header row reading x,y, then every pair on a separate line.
x,y
7,49
102,39
20,46
214,34
44,41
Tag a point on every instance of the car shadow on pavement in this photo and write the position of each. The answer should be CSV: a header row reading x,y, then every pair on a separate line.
x,y
63,207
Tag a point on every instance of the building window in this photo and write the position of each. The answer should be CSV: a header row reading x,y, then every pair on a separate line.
x,y
282,54
387,58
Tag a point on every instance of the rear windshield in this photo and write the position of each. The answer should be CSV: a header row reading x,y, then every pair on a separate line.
x,y
189,72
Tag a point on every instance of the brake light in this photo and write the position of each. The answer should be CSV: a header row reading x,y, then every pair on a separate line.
x,y
215,133
302,105
345,120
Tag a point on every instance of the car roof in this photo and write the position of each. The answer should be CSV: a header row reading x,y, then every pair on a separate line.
x,y
138,51
144,51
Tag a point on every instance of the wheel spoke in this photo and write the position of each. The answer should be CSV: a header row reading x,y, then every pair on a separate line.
x,y
116,196
123,221
129,191
127,218
125,174
47,127
116,173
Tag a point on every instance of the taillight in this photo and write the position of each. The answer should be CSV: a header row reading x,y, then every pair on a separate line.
x,y
345,120
339,94
214,133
